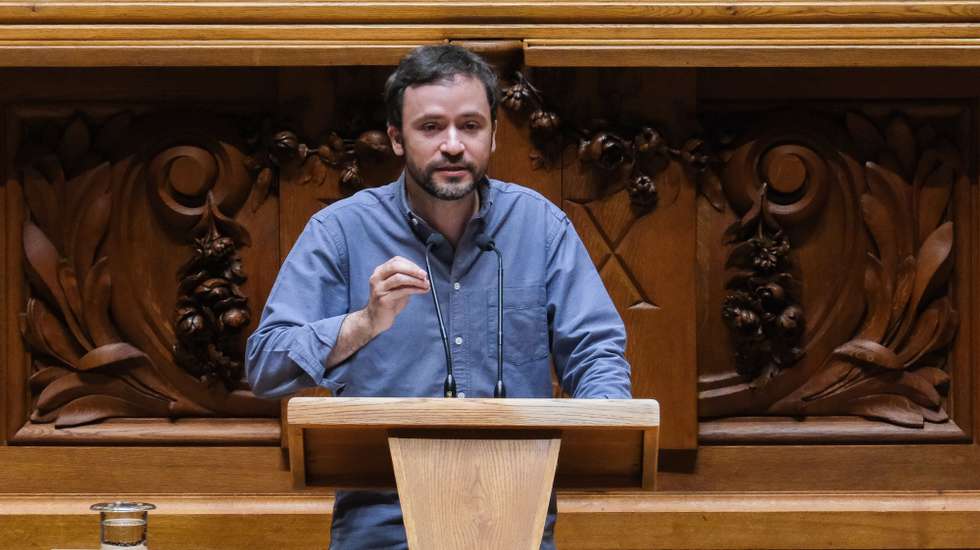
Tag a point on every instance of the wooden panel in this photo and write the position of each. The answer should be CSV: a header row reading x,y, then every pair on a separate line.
x,y
401,412
131,470
293,11
585,521
743,53
645,254
195,54
152,431
457,491
934,467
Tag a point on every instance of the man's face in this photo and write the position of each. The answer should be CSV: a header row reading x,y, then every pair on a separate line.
x,y
446,136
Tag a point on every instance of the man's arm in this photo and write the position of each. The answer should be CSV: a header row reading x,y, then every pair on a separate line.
x,y
306,328
589,339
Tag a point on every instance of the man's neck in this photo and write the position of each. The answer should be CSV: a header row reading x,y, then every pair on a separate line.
x,y
446,217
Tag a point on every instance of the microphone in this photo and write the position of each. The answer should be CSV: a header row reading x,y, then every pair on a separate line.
x,y
449,387
486,244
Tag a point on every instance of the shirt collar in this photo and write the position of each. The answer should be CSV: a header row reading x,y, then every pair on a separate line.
x,y
422,229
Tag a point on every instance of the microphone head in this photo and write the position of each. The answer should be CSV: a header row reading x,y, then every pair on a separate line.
x,y
434,240
485,243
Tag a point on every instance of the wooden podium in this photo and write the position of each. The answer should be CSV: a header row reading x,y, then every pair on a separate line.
x,y
471,470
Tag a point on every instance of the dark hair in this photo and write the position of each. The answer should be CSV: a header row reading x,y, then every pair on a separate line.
x,y
428,64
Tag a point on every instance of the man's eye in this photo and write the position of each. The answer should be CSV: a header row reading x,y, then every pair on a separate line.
x,y
429,127
472,126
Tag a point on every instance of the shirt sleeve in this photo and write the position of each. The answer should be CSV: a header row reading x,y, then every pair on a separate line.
x,y
588,336
302,317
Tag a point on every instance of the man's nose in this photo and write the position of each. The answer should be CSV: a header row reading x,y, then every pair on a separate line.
x,y
452,146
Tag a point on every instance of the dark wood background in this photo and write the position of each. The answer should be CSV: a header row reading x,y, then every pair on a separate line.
x,y
846,416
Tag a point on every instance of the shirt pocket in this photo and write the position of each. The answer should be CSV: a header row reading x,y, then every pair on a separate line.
x,y
525,324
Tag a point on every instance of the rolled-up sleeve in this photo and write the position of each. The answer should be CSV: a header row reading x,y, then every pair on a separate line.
x,y
302,317
588,336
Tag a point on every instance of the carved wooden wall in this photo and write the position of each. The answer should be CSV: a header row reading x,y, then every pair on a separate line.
x,y
795,260
794,253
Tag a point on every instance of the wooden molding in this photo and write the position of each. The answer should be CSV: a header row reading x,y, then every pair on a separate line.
x,y
398,412
586,520
832,430
156,431
429,12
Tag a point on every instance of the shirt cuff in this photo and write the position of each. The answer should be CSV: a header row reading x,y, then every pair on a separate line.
x,y
311,353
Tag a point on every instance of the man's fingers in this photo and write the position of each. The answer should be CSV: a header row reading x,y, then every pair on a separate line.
x,y
401,292
401,280
399,265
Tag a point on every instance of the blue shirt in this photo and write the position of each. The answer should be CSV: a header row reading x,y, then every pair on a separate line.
x,y
556,309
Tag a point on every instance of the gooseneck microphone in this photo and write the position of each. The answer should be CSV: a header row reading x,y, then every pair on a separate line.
x,y
486,244
449,387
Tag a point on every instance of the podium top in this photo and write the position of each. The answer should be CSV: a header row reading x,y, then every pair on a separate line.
x,y
426,412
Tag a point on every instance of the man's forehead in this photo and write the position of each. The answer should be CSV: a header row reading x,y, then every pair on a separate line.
x,y
461,93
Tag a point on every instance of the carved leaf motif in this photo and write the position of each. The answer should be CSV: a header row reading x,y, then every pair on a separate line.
x,y
937,416
75,142
111,354
934,264
42,202
76,385
828,381
92,408
879,302
878,219
889,188
263,185
903,289
901,140
868,353
892,408
932,197
919,390
98,293
69,285
866,136
710,186
934,377
40,379
923,332
42,264
51,334
93,223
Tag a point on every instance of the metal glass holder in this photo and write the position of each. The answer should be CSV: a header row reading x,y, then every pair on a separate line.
x,y
123,524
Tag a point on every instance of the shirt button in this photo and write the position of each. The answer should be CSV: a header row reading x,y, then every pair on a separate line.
x,y
461,394
459,340
415,221
456,286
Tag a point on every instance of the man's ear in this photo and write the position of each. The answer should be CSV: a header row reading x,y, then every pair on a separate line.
x,y
493,137
395,135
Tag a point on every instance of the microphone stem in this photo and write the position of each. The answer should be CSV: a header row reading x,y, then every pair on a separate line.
x,y
449,387
499,390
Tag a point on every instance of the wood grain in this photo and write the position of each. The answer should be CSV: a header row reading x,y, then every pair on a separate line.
x,y
153,431
154,11
906,519
819,430
457,491
397,412
737,53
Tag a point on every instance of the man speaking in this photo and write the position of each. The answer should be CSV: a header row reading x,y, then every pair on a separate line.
x,y
395,291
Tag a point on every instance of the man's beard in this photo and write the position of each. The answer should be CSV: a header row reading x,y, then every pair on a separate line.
x,y
445,191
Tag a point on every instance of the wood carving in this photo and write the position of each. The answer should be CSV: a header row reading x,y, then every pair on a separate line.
x,y
211,309
762,309
101,346
282,152
630,155
889,298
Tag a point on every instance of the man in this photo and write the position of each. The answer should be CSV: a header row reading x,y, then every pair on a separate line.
x,y
344,314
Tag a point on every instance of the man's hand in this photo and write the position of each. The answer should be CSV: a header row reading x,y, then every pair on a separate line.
x,y
392,284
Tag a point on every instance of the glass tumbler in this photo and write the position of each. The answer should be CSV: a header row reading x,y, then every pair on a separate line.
x,y
123,525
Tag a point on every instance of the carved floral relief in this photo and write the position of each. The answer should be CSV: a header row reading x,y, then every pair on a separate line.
x,y
877,345
96,323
